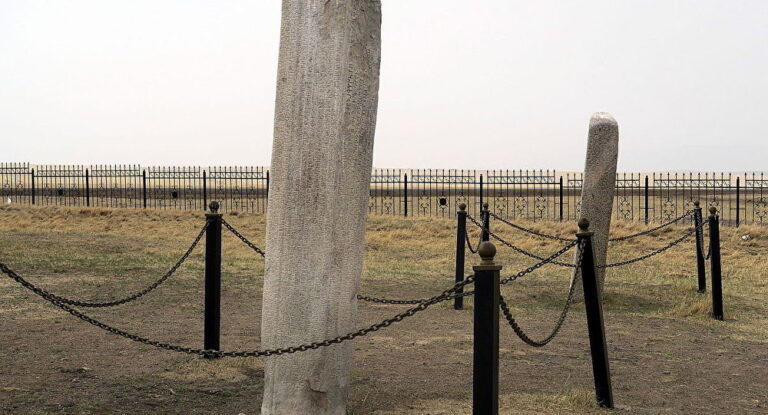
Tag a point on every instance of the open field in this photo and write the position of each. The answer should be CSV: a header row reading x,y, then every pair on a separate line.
x,y
667,355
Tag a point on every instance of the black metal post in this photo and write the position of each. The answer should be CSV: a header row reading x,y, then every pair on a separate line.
x,y
738,200
561,198
481,190
646,199
144,187
205,191
267,188
486,217
714,244
212,317
405,195
600,366
461,230
87,188
485,359
700,260
33,186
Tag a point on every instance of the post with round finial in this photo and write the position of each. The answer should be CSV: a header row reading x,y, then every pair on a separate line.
x,y
715,265
485,372
461,239
698,220
600,366
486,216
212,313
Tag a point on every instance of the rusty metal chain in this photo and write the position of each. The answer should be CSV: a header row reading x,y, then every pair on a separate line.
x,y
504,281
250,353
547,260
648,255
563,314
417,301
654,229
243,238
80,303
469,244
517,249
701,241
531,231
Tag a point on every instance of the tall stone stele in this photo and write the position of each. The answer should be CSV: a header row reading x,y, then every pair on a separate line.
x,y
325,117
599,185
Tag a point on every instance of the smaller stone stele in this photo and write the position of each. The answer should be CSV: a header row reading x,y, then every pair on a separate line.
x,y
599,186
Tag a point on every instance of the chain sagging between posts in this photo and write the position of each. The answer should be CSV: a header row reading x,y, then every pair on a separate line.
x,y
563,314
485,229
136,296
445,295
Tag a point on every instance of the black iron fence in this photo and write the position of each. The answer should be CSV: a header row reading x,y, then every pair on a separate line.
x,y
512,194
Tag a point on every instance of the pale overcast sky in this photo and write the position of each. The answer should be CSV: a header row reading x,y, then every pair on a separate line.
x,y
464,84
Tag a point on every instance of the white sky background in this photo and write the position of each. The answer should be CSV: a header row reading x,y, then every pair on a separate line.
x,y
480,84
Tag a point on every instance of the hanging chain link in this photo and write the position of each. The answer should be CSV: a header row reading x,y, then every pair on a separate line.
x,y
515,248
531,231
504,281
469,243
563,314
445,295
704,252
653,253
548,260
80,303
243,238
418,301
654,229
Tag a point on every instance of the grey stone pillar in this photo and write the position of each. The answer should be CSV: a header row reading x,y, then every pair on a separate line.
x,y
325,116
599,184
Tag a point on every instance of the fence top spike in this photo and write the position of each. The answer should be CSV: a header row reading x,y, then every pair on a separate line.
x,y
713,210
583,224
487,251
462,207
214,206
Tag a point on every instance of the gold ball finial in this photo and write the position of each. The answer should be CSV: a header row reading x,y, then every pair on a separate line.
x,y
583,224
713,210
487,251
462,207
214,206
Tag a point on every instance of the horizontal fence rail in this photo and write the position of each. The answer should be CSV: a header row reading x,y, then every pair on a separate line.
x,y
511,194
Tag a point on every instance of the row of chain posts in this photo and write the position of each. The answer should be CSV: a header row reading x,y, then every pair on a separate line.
x,y
512,194
584,270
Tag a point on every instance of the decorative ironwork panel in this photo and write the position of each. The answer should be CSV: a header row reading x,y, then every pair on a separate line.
x,y
241,189
60,185
15,183
115,186
175,188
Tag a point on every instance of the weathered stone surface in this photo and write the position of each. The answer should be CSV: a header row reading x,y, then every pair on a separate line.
x,y
600,183
325,114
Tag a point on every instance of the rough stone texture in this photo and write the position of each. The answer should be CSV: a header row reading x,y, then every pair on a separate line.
x,y
599,184
325,116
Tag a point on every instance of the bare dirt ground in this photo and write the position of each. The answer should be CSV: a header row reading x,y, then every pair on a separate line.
x,y
666,354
